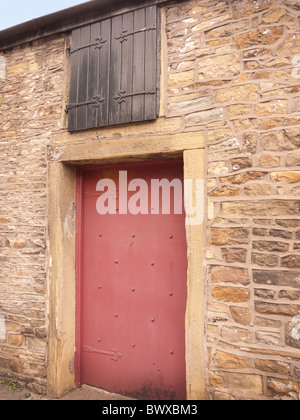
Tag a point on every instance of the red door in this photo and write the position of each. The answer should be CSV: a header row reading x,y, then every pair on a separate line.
x,y
132,281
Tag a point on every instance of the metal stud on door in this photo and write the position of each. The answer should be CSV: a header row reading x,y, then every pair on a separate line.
x,y
133,286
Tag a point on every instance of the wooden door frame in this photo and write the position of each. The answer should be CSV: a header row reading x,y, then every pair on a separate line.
x,y
63,255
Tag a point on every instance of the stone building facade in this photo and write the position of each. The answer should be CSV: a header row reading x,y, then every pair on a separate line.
x,y
230,73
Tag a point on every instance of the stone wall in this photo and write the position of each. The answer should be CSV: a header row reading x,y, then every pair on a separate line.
x,y
230,76
233,73
32,86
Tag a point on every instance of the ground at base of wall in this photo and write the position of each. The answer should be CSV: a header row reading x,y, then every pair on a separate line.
x,y
11,392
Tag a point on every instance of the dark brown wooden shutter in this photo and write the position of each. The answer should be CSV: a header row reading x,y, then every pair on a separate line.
x,y
114,71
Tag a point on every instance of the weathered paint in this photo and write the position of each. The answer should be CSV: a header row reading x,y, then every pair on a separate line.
x,y
133,283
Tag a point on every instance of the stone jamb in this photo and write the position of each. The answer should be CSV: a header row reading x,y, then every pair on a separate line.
x,y
62,260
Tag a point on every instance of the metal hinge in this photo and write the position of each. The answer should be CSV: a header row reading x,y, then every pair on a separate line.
x,y
95,102
96,44
125,34
122,95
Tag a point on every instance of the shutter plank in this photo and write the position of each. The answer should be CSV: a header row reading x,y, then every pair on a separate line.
x,y
83,78
151,64
74,69
115,71
138,101
126,69
92,111
104,73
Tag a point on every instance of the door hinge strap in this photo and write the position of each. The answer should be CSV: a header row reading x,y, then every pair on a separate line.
x,y
122,95
95,102
113,353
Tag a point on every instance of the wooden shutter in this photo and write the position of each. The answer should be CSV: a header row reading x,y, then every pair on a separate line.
x,y
114,71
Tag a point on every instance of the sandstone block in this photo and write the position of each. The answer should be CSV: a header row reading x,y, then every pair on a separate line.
x,y
189,106
217,135
242,93
203,117
224,360
276,16
272,207
15,339
236,335
240,315
216,380
243,177
296,105
234,255
291,261
216,168
289,294
225,191
272,366
278,106
290,47
223,66
240,163
269,161
182,78
227,236
287,177
283,388
242,8
288,223
258,189
227,29
230,294
245,382
277,278
265,293
292,4
270,123
239,110
292,332
266,260
276,309
261,36
280,233
268,337
16,69
236,275
282,140
223,396
16,366
270,246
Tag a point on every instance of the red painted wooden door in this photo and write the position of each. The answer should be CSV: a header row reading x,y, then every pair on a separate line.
x,y
133,285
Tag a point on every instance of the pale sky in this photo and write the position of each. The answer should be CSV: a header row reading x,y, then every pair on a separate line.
x,y
14,12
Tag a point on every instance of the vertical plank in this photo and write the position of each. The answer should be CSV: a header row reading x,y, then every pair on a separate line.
x,y
104,73
83,78
115,70
151,63
138,101
72,114
92,89
126,69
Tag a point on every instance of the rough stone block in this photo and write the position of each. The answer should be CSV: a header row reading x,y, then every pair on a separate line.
x,y
224,360
272,207
242,93
245,382
236,275
230,294
240,315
